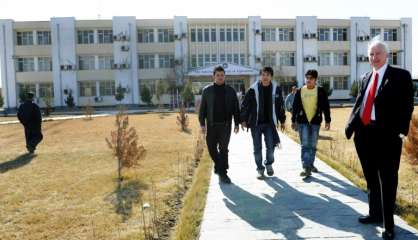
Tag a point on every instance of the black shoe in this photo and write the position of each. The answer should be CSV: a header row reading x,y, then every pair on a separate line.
x,y
369,220
314,169
270,170
388,235
223,178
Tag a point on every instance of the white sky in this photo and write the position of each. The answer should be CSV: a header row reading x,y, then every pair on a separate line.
x,y
30,10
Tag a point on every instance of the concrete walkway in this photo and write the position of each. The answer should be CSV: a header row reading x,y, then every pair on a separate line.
x,y
284,206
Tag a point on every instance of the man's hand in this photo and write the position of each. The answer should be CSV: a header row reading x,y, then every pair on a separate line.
x,y
203,129
243,125
236,129
282,127
327,126
295,126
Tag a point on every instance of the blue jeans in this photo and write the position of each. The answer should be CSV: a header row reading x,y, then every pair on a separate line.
x,y
267,131
308,134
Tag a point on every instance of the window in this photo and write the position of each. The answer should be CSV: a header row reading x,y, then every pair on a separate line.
x,y
146,61
193,62
146,35
286,34
46,90
213,35
236,58
393,58
165,35
341,82
107,88
85,37
390,34
222,35
86,62
166,61
24,38
44,37
105,62
105,36
340,34
200,61
44,64
269,59
28,87
324,59
341,58
200,35
287,58
222,58
229,35
87,88
374,32
235,34
206,34
268,35
193,35
324,79
229,58
214,59
242,60
25,65
323,34
242,34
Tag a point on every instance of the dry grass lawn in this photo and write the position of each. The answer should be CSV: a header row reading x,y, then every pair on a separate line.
x,y
68,190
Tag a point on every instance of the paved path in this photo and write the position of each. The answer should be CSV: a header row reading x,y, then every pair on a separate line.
x,y
284,206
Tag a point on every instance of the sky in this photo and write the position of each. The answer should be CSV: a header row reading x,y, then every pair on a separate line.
x,y
30,10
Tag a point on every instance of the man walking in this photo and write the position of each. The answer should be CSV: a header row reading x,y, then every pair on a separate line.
x,y
380,120
261,111
288,103
311,101
219,104
30,117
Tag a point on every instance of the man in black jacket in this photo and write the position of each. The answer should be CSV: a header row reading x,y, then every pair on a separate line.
x,y
380,120
29,115
261,111
219,104
309,104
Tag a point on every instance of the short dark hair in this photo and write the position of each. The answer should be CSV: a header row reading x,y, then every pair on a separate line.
x,y
312,72
30,95
218,69
268,70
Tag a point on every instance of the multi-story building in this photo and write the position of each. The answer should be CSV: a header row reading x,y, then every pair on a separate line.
x,y
91,58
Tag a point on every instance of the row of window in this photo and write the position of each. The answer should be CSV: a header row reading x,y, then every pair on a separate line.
x,y
202,60
89,88
285,59
45,89
27,38
212,34
277,34
335,82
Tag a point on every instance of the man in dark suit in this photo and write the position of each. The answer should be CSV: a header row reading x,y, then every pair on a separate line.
x,y
218,106
380,119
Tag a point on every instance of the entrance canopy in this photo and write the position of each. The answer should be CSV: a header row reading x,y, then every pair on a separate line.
x,y
230,70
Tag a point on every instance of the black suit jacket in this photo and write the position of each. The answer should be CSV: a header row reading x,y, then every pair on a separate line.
x,y
394,102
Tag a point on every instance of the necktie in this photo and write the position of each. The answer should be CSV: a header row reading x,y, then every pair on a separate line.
x,y
367,112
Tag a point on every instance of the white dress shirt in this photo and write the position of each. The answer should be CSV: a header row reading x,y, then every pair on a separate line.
x,y
381,71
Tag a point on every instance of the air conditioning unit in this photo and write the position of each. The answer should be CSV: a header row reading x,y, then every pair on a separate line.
x,y
257,31
258,59
98,99
124,48
177,61
115,38
183,35
367,38
62,67
124,38
176,36
306,36
313,59
313,35
69,67
115,66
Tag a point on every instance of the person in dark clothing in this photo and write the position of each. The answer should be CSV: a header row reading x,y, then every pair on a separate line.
x,y
219,104
311,101
30,117
380,121
261,111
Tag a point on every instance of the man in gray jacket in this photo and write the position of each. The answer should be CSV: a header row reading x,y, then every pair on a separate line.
x,y
219,104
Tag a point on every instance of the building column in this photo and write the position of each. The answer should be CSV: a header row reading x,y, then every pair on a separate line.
x,y
181,60
306,46
254,44
7,64
406,43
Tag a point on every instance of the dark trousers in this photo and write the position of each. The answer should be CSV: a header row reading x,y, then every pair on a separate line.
x,y
217,139
379,152
33,137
